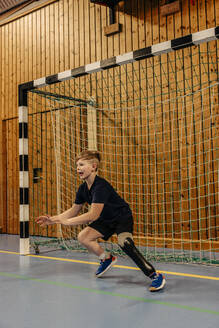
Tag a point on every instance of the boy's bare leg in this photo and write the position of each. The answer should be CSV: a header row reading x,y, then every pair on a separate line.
x,y
88,237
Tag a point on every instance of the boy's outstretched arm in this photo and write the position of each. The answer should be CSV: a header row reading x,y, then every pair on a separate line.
x,y
92,215
70,217
44,220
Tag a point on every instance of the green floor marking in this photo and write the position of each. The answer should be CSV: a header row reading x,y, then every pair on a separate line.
x,y
97,291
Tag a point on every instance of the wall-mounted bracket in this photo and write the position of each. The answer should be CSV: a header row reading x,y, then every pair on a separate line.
x,y
37,174
170,7
113,27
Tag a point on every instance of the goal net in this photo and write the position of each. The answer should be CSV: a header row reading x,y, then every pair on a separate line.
x,y
155,123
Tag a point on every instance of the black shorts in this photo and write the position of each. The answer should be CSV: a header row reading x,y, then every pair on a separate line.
x,y
107,228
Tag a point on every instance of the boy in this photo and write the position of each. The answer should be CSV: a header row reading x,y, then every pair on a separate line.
x,y
108,214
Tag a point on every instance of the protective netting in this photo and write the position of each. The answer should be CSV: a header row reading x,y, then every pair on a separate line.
x,y
155,124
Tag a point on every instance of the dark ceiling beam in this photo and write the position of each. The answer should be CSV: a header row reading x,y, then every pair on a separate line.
x,y
17,4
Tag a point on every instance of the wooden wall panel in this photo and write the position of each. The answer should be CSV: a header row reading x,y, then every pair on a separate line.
x,y
11,154
3,177
70,33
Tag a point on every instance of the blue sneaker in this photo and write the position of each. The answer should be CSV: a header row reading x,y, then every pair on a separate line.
x,y
105,265
158,282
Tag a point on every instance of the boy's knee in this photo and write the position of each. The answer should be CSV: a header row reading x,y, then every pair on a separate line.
x,y
123,236
81,237
86,236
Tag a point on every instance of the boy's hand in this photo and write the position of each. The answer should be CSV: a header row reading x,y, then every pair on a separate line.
x,y
44,220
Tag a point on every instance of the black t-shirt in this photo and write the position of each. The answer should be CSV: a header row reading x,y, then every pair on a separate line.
x,y
102,192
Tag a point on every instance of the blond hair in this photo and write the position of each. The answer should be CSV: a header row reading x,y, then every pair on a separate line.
x,y
92,156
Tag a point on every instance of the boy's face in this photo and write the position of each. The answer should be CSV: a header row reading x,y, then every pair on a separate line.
x,y
85,168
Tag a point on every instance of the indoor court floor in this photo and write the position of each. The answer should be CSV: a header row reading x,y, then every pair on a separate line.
x,y
58,289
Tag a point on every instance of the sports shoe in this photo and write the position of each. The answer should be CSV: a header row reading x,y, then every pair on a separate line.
x,y
105,265
158,282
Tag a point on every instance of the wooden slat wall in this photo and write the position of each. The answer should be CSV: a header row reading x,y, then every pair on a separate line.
x,y
3,177
67,34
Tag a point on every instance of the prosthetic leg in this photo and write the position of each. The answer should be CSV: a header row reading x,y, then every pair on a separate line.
x,y
126,243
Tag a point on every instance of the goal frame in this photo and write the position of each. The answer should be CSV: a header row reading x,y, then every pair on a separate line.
x,y
136,55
